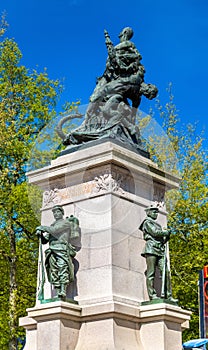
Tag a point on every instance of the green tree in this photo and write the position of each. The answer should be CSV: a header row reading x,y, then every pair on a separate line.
x,y
188,221
27,102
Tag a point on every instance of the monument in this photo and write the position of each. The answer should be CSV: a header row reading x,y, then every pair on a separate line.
x,y
96,296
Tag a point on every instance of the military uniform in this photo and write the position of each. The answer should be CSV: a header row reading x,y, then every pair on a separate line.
x,y
58,257
154,252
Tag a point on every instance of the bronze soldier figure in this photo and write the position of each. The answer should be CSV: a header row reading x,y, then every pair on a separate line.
x,y
155,253
58,257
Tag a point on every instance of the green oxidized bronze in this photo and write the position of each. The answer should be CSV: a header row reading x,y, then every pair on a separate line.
x,y
58,257
155,252
114,102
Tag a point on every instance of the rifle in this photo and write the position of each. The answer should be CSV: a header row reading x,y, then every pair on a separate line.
x,y
164,274
41,280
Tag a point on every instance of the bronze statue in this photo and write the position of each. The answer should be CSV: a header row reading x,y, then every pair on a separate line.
x,y
156,255
58,257
116,97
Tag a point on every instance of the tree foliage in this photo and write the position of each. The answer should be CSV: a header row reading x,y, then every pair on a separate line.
x,y
27,102
188,220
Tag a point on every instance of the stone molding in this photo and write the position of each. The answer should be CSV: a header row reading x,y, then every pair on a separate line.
x,y
140,314
100,155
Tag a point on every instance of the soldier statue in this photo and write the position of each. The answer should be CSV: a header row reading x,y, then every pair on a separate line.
x,y
58,257
155,252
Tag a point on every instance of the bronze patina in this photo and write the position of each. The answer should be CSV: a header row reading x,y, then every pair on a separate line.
x,y
113,105
155,252
58,257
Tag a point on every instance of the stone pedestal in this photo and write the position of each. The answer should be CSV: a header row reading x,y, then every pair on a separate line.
x,y
107,187
108,326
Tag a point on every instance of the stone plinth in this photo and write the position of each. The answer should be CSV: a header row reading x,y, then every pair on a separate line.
x,y
107,187
108,326
52,326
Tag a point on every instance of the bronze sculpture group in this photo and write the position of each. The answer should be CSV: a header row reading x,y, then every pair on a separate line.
x,y
116,97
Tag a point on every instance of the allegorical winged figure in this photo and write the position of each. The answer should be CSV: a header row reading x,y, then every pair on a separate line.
x,y
114,102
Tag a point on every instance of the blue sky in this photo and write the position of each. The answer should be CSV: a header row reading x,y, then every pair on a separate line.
x,y
66,36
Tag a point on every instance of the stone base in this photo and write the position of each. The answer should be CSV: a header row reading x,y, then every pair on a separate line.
x,y
105,326
107,187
